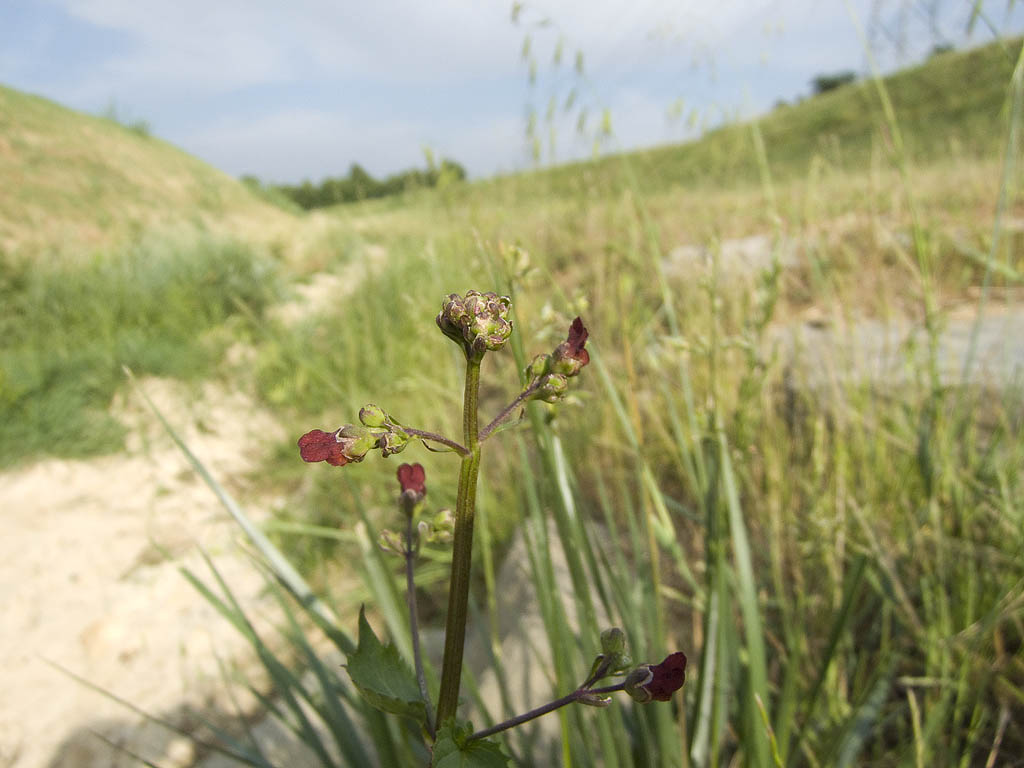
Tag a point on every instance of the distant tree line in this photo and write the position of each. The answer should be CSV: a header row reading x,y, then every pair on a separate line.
x,y
360,185
829,82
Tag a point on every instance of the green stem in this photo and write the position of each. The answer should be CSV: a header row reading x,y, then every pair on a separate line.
x,y
459,449
462,552
520,399
551,706
410,585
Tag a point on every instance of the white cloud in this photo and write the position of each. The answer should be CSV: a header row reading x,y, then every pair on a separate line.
x,y
237,43
306,87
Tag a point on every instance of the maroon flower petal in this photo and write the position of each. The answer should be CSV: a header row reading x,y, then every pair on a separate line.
x,y
577,338
412,478
667,677
318,445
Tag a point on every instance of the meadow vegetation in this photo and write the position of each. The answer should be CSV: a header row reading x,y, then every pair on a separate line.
x,y
71,326
841,557
76,184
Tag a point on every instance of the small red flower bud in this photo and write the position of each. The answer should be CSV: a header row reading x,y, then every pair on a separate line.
x,y
318,445
412,478
577,339
570,356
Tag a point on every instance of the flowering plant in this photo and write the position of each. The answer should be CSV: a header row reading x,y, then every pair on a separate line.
x,y
478,323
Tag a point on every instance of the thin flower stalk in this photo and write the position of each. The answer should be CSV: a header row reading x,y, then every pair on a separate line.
x,y
411,551
462,551
521,398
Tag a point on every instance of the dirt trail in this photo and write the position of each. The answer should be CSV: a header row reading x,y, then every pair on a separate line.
x,y
89,570
89,578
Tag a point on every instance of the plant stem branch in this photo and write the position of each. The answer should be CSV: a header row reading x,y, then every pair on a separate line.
x,y
520,399
414,627
462,551
436,438
551,706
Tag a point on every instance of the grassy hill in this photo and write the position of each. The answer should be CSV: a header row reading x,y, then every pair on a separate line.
x,y
76,183
953,104
116,249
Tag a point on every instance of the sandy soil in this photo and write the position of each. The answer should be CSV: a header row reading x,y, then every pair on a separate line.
x,y
90,581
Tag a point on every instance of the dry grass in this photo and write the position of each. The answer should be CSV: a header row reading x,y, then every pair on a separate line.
x,y
80,184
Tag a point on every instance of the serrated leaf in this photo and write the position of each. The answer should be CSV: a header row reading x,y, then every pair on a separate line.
x,y
454,750
383,677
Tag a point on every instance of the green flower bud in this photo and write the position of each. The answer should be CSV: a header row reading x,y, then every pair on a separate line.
x,y
356,441
567,366
613,640
594,700
613,643
552,387
540,366
438,529
394,441
373,416
635,682
444,520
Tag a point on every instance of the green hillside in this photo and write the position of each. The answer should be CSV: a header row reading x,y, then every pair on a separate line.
x,y
953,104
76,183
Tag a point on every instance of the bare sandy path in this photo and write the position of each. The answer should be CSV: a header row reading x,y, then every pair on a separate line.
x,y
84,583
89,569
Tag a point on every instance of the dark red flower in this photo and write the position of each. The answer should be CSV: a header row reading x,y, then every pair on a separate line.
x,y
413,479
318,445
577,338
569,357
667,677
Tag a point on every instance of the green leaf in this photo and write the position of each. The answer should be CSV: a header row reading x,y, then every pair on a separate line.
x,y
382,677
454,750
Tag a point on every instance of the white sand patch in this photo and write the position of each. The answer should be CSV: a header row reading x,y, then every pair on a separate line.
x,y
89,579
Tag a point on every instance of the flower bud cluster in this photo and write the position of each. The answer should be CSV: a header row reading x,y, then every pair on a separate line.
x,y
432,530
437,529
549,374
478,321
350,443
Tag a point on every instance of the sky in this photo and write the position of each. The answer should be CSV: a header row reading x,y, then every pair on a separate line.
x,y
302,89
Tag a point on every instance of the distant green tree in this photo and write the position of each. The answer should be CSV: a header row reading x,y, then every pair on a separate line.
x,y
359,184
363,184
455,171
829,82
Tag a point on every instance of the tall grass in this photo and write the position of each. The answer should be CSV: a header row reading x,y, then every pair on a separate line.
x,y
841,557
68,328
